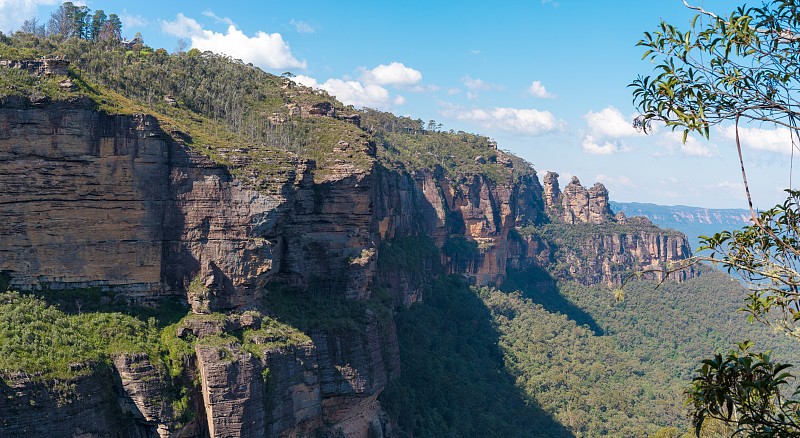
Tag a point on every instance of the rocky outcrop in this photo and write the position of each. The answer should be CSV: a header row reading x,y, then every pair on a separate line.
x,y
233,391
481,210
92,199
145,392
606,253
552,192
91,405
113,201
576,204
329,382
39,67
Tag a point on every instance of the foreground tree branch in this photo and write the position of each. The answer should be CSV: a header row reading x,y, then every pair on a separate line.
x,y
734,69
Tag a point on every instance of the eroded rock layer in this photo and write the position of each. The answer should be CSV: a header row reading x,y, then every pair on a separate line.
x,y
91,199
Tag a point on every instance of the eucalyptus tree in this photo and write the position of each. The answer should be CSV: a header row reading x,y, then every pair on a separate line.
x,y
740,68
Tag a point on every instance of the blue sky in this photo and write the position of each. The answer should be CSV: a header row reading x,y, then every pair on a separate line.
x,y
545,78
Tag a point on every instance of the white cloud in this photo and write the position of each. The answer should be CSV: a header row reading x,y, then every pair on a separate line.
x,y
357,94
264,50
130,20
593,146
479,84
14,12
183,26
395,74
537,89
778,140
693,147
217,18
306,80
353,92
609,122
302,26
516,120
615,181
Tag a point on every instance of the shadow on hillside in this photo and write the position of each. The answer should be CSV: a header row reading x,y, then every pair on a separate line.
x,y
538,285
453,380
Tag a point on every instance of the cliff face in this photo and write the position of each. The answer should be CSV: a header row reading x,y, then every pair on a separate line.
x,y
479,210
113,201
575,204
99,200
585,243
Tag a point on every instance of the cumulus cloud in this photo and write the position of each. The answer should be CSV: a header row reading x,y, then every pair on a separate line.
x,y
395,74
615,181
609,122
515,120
302,26
14,12
693,147
537,89
130,20
308,81
479,84
778,140
354,93
357,94
264,50
602,147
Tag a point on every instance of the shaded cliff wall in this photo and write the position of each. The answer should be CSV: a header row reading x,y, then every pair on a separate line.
x,y
113,201
85,406
469,220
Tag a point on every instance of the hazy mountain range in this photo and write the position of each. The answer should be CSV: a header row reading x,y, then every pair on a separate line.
x,y
692,221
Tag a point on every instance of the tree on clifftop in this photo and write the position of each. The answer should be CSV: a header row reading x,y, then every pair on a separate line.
x,y
740,68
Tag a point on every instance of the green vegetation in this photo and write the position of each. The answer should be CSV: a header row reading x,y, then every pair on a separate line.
x,y
408,145
540,358
318,308
739,68
582,358
577,233
585,381
453,382
416,255
50,344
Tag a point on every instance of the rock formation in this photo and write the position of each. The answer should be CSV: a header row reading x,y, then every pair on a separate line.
x,y
113,201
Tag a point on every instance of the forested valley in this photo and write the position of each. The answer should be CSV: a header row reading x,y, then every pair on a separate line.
x,y
536,354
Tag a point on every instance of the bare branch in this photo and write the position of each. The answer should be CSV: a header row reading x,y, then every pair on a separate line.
x,y
701,10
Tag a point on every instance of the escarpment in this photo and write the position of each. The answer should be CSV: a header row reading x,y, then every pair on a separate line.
x,y
278,258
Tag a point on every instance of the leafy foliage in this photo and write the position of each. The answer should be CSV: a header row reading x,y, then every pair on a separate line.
x,y
723,68
43,341
744,66
745,388
459,155
767,257
453,381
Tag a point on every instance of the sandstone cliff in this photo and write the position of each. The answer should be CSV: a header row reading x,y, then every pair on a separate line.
x,y
120,202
